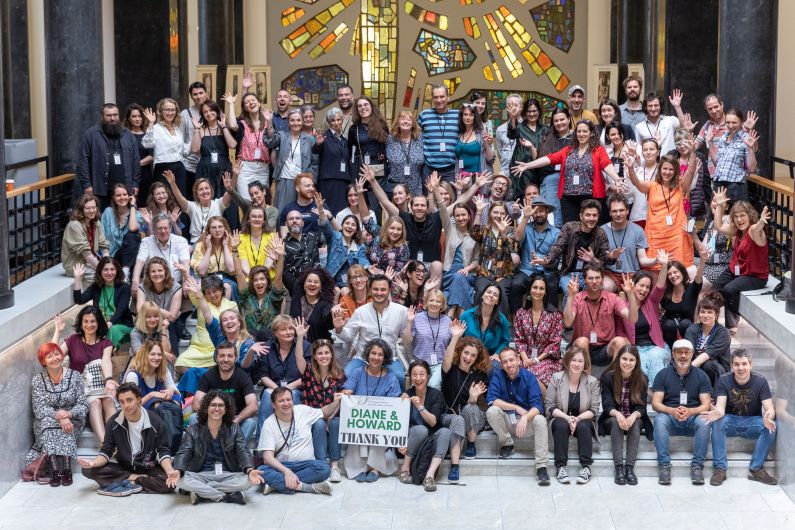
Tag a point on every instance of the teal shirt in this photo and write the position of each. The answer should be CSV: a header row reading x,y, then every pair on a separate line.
x,y
470,153
493,339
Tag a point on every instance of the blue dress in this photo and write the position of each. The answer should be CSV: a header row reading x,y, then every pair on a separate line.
x,y
457,287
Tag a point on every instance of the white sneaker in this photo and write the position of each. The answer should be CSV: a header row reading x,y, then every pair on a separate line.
x,y
585,475
322,488
335,475
266,489
563,475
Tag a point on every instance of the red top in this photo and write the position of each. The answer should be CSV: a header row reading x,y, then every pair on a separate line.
x,y
600,161
599,316
751,258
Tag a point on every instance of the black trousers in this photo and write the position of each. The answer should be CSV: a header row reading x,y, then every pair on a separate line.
x,y
129,250
152,481
730,287
670,327
560,437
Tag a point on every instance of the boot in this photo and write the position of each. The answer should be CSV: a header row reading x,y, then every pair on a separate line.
x,y
55,471
629,474
620,478
66,470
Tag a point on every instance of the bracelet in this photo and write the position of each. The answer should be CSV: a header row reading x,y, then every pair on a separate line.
x,y
421,409
108,379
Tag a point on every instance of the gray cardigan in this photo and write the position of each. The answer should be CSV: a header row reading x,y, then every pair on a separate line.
x,y
308,165
557,396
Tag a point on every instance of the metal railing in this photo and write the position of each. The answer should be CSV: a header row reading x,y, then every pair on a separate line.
x,y
780,200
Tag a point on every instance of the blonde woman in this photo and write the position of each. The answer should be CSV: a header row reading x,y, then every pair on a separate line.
x,y
164,136
153,326
404,154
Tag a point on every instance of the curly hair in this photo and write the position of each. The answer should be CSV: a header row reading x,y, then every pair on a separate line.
x,y
712,300
482,361
326,283
102,325
151,205
377,129
229,406
168,280
380,343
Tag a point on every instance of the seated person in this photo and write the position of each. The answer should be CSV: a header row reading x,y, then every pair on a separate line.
x,y
593,314
260,297
150,324
712,341
424,421
311,299
302,249
213,462
227,377
535,236
428,332
212,254
138,444
288,453
572,402
487,323
84,238
744,408
680,393
539,330
108,293
160,288
516,407
371,378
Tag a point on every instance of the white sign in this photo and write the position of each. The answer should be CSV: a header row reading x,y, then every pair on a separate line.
x,y
374,420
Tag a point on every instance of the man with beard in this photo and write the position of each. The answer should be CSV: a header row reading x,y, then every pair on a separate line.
x,y
627,241
109,156
345,103
302,247
304,204
657,126
576,103
198,94
499,192
536,236
280,122
632,109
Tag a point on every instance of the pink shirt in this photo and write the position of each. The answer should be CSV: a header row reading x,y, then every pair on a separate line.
x,y
250,143
599,316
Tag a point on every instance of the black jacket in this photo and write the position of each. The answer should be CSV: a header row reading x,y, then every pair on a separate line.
x,y
434,403
96,157
121,300
609,403
193,449
154,442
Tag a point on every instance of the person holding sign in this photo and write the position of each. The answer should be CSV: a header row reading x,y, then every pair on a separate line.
x,y
286,442
424,421
363,462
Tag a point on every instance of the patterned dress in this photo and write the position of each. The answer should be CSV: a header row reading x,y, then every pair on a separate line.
x,y
318,394
546,337
48,398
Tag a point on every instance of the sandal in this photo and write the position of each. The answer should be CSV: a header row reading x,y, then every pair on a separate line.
x,y
405,477
429,484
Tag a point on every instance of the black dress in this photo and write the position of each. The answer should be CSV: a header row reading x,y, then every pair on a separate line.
x,y
146,171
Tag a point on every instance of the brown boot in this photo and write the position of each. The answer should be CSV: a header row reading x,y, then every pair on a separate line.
x,y
66,470
718,477
55,471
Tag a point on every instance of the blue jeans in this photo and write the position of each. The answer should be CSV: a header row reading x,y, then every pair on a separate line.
x,y
748,427
395,367
326,441
307,471
549,192
266,407
666,426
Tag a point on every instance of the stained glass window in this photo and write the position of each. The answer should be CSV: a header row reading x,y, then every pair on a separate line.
x,y
426,16
410,88
504,49
378,23
494,65
471,27
316,86
554,21
441,54
299,39
451,85
329,41
470,2
291,14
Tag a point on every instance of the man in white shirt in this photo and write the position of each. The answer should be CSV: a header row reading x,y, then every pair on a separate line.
x,y
198,94
288,453
172,248
379,319
656,125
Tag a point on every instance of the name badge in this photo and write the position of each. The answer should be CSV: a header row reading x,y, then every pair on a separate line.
x,y
535,353
617,266
342,167
737,270
117,159
213,158
434,359
669,220
344,278
461,163
219,468
406,170
257,153
575,180
442,147
617,166
419,255
683,397
592,337
691,224
283,383
578,266
367,160
512,416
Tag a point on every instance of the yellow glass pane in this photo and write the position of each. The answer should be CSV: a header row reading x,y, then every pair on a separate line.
x,y
537,69
554,74
487,73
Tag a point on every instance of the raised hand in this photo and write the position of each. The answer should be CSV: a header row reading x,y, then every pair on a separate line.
x,y
487,138
480,202
432,283
765,216
319,138
481,179
525,143
267,114
676,98
150,116
688,123
519,168
400,283
197,124
360,184
528,210
574,285
368,173
339,316
79,270
662,258
632,148
585,254
751,139
319,201
501,224
191,285
750,120
60,325
234,240
390,272
301,327
457,328
721,197
615,253
411,313
276,246
248,81
175,213
146,215
229,98
432,181
627,285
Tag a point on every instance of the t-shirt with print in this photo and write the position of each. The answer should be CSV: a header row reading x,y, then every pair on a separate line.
x,y
743,400
238,386
296,436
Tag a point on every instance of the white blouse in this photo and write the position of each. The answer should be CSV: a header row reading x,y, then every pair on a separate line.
x,y
168,147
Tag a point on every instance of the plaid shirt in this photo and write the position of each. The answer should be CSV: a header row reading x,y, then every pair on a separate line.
x,y
732,158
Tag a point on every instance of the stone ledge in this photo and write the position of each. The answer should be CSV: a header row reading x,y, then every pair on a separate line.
x,y
769,318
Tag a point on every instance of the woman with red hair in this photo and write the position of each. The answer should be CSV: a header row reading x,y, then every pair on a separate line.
x,y
59,413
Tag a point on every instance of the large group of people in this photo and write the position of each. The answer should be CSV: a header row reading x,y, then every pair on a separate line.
x,y
350,259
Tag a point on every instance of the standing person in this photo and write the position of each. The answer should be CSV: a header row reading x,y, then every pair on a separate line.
x,y
59,414
308,116
213,462
535,237
136,123
497,248
170,145
345,104
84,240
291,154
281,121
646,169
559,136
404,155
334,171
198,95
110,294
632,112
656,125
473,148
122,223
439,135
528,135
743,408
735,158
711,340
109,156
572,401
516,407
367,139
308,202
680,393
627,243
576,101
582,168
429,344
504,144
252,131
212,140
539,331
624,396
138,443
610,113
487,323
748,266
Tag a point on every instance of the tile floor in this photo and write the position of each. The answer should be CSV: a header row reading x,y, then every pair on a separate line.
x,y
485,502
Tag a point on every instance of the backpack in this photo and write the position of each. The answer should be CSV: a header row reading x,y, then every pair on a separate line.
x,y
422,460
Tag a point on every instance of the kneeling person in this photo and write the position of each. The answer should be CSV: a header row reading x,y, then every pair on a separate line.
x,y
286,442
213,462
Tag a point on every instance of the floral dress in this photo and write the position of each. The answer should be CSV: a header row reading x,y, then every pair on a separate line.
x,y
382,257
494,259
318,394
545,337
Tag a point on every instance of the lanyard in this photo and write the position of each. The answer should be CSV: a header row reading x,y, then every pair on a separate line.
x,y
703,341
378,321
590,315
167,258
367,382
105,300
613,236
255,253
204,216
217,256
537,245
290,430
294,147
438,327
667,199
406,152
442,118
656,127
535,327
653,172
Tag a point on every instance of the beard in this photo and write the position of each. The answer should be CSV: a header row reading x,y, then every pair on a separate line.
x,y
111,129
295,230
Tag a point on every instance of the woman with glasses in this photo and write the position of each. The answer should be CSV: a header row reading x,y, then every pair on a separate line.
x,y
428,332
164,136
322,383
528,135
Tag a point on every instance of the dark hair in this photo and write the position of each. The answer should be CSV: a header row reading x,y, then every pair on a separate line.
x,y
196,84
422,364
381,343
376,126
344,85
326,282
477,123
128,387
555,111
495,313
104,260
632,77
526,108
266,190
742,353
617,197
480,95
711,95
357,236
212,282
108,106
588,204
225,344
131,107
379,278
229,406
102,325
591,266
213,107
593,141
609,127
651,96
712,300
612,103
736,112
278,391
536,277
638,383
569,354
669,287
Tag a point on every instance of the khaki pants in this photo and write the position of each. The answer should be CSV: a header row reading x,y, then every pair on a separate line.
x,y
500,422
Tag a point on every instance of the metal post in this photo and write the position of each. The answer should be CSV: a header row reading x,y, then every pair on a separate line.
x,y
6,293
790,305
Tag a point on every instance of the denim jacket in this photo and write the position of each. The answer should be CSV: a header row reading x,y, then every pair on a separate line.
x,y
339,253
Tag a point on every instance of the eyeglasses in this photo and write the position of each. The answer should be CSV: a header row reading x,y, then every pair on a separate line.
x,y
357,278
216,406
421,271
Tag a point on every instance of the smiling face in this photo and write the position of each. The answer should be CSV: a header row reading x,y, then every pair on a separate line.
x,y
399,196
364,108
675,276
257,196
323,356
160,195
405,122
152,320
650,151
214,296
418,276
741,368
682,357
282,100
251,104
607,112
532,115
509,361
198,95
108,273
226,360
121,198
491,296
155,357
217,230
284,404
498,213
538,290
468,357
344,98
260,282
667,172
715,109
308,117
157,273
589,217
312,285
561,123
741,220
204,192
583,134
480,105
285,333
576,365
90,210
349,227
376,358
335,123
733,122
306,189
642,288
230,322
419,377
168,112
468,116
434,304
89,324
295,122
395,232
209,115
708,317
653,108
499,188
627,363
461,215
256,218
216,409
576,100
615,137
439,97
379,290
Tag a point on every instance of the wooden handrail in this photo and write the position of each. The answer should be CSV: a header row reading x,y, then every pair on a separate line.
x,y
771,184
40,185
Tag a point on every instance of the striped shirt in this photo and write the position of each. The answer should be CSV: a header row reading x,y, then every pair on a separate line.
x,y
431,337
437,129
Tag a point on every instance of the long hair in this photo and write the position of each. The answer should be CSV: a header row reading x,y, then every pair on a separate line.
x,y
712,300
140,363
669,287
77,211
334,369
593,141
532,102
195,188
357,236
638,383
744,207
247,222
151,205
168,279
213,106
113,205
243,333
326,282
482,361
383,237
104,260
229,406
569,355
610,103
130,108
545,305
477,123
102,325
148,308
206,230
495,313
244,115
668,159
377,128
415,127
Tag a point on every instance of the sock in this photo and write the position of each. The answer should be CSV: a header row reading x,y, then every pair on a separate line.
x,y
306,487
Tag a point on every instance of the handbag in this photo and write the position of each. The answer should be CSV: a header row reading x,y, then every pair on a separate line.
x,y
36,469
94,379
